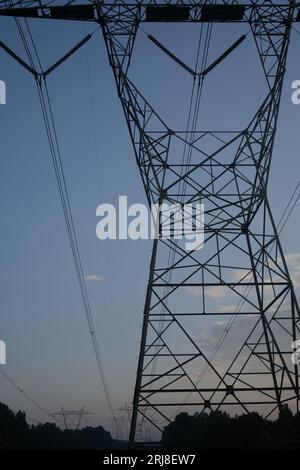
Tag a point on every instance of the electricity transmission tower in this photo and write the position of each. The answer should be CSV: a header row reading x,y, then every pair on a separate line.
x,y
228,171
123,417
144,428
73,418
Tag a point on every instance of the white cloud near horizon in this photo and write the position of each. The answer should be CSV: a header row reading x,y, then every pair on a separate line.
x,y
213,292
293,263
93,278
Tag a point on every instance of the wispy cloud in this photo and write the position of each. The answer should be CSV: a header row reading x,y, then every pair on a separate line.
x,y
242,275
213,292
228,309
293,262
93,278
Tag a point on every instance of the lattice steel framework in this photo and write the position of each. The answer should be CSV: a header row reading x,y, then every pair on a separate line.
x,y
73,418
242,255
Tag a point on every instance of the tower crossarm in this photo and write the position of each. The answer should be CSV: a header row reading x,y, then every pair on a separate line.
x,y
151,11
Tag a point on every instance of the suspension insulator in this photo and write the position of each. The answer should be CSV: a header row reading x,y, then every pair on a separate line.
x,y
171,55
17,58
68,54
223,56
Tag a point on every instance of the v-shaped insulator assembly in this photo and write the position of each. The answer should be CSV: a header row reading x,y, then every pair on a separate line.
x,y
54,66
187,67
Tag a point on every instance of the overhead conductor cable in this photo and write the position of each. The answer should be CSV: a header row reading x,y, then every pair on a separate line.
x,y
60,177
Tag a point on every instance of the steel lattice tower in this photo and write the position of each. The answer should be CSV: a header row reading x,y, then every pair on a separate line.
x,y
228,171
231,181
73,418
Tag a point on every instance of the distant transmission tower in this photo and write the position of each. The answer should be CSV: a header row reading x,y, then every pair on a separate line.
x,y
72,419
123,420
227,171
144,428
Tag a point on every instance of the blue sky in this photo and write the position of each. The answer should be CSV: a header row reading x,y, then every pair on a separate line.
x,y
49,352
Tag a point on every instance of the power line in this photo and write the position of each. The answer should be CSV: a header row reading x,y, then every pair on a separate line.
x,y
61,181
48,118
193,115
100,191
26,395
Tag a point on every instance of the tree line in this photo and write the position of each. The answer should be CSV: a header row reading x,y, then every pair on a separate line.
x,y
207,431
219,430
16,433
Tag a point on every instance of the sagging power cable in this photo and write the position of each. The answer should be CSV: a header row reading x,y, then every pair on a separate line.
x,y
26,395
48,117
193,114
